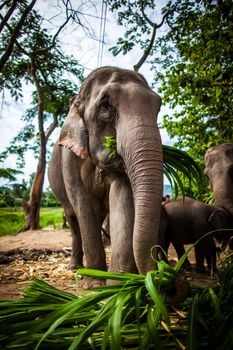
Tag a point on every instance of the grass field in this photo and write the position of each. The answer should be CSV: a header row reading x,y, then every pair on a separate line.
x,y
12,219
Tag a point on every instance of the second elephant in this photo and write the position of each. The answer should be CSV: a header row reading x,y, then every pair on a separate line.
x,y
186,220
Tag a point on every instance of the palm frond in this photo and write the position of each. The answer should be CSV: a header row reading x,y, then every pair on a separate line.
x,y
177,163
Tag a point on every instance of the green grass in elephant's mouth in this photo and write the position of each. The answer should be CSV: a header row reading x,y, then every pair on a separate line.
x,y
111,145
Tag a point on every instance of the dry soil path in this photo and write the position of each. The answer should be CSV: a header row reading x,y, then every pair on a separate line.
x,y
46,254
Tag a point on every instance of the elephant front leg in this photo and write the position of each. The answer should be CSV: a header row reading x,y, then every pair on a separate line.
x,y
200,256
94,253
121,227
179,247
92,245
210,253
76,251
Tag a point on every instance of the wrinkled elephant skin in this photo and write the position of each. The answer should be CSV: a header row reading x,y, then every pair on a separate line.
x,y
90,183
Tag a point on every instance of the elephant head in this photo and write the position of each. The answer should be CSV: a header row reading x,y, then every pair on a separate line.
x,y
221,218
219,169
117,102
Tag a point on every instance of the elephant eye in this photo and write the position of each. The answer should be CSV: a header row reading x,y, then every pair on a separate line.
x,y
105,112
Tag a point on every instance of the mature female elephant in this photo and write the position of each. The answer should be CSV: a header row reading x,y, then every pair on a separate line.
x,y
185,220
89,182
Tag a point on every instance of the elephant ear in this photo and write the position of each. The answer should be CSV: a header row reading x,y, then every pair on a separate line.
x,y
74,133
220,218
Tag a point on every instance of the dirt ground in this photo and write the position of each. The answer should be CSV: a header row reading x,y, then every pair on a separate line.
x,y
46,254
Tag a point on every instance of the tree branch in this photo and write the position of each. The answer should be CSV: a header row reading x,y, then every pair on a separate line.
x,y
52,126
147,51
153,24
16,41
8,15
38,52
15,34
155,27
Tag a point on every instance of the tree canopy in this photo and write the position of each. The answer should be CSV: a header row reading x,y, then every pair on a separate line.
x,y
196,75
36,58
191,63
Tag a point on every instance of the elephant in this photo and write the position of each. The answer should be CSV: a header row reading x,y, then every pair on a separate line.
x,y
90,182
219,170
185,220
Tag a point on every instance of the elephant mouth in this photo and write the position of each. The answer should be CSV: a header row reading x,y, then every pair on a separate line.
x,y
115,163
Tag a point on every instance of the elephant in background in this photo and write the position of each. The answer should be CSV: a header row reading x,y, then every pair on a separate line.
x,y
185,220
90,183
219,169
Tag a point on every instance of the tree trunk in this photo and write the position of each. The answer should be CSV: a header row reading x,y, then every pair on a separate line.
x,y
32,208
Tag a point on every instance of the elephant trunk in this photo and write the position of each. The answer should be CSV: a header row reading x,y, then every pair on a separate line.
x,y
223,192
142,155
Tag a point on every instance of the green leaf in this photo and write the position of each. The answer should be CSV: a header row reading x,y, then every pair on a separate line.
x,y
156,296
192,325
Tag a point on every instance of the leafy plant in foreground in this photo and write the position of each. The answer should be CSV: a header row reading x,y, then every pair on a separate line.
x,y
130,314
126,314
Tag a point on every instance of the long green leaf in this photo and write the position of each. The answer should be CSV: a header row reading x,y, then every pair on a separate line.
x,y
116,320
156,296
59,316
151,335
215,302
109,275
103,314
192,325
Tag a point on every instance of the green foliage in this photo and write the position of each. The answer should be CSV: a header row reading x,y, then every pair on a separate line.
x,y
192,65
12,193
130,314
9,173
49,200
58,77
111,145
137,31
181,170
12,219
196,75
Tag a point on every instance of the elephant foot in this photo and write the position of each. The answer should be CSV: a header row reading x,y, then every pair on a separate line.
x,y
186,266
74,265
201,269
88,282
213,270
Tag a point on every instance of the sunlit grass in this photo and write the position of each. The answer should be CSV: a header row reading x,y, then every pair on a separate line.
x,y
12,219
